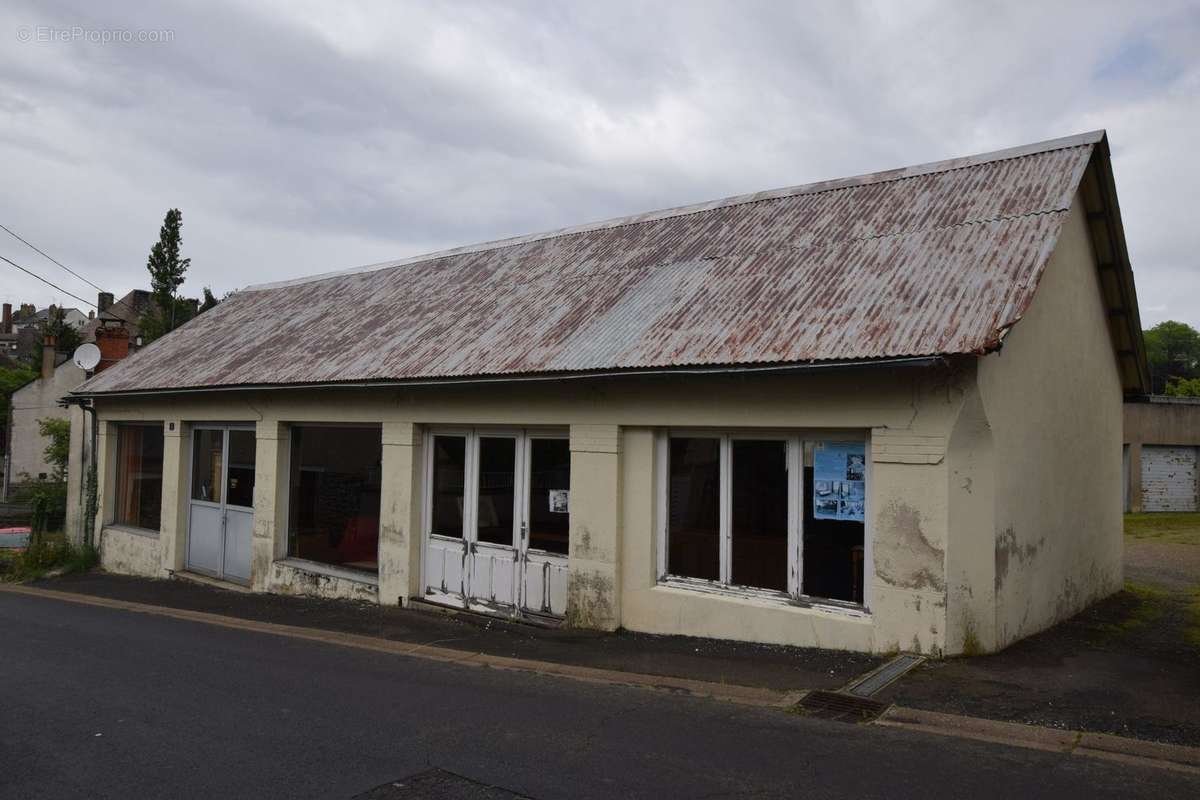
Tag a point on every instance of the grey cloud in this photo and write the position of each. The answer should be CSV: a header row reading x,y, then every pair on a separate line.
x,y
301,140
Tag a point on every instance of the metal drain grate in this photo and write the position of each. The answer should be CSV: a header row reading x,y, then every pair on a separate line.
x,y
840,707
876,681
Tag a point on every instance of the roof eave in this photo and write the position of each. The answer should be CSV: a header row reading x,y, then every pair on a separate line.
x,y
1117,286
724,369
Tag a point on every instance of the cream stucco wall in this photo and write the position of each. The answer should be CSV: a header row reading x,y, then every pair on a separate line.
x,y
1053,401
907,413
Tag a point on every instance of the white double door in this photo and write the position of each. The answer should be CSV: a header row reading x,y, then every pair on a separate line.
x,y
221,501
497,517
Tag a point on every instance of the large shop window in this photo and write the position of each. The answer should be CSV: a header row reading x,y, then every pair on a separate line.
x,y
766,513
139,476
334,495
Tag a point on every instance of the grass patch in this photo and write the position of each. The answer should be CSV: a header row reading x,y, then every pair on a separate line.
x,y
1145,605
1164,527
46,553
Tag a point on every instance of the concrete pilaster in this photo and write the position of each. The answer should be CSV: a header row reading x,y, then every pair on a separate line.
x,y
172,536
594,590
400,514
77,460
270,501
106,474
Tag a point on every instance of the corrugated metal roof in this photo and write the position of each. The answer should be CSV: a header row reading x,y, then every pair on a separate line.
x,y
931,260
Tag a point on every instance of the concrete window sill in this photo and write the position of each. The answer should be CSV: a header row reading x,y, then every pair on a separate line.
x,y
761,598
146,532
329,570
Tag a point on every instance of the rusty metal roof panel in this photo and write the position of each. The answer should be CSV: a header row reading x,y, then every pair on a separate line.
x,y
930,260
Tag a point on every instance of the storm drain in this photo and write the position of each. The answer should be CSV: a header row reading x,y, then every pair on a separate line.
x,y
871,683
840,707
438,784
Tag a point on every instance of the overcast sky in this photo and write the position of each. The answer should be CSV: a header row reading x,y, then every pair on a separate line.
x,y
298,138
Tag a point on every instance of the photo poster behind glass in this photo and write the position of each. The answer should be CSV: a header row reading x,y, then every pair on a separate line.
x,y
839,480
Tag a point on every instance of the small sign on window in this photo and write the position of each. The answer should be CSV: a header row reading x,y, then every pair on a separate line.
x,y
839,480
560,501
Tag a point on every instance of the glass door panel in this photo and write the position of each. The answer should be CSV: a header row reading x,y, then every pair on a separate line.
x,y
497,490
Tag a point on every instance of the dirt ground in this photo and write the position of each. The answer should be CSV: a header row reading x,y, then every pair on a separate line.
x,y
1129,665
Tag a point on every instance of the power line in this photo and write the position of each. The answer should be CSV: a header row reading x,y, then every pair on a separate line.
x,y
55,260
48,283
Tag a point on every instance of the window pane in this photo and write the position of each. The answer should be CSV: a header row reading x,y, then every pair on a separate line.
x,y
694,508
334,487
139,476
497,492
549,494
759,514
207,456
834,533
240,488
449,478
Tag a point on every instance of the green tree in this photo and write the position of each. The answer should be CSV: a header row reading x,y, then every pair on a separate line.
x,y
1173,350
167,268
58,446
67,336
165,264
1183,387
11,379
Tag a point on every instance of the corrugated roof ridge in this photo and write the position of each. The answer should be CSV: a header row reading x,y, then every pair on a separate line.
x,y
1089,139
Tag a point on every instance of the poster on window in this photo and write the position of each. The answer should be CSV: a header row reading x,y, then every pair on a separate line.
x,y
560,501
839,480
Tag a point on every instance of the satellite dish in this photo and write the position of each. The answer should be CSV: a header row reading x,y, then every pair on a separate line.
x,y
87,356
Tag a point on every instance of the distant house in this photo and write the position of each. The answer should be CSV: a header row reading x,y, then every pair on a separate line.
x,y
876,413
113,330
70,316
39,399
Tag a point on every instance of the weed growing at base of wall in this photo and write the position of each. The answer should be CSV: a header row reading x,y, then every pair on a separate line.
x,y
50,553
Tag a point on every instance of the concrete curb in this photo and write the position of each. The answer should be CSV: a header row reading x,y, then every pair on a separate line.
x,y
732,693
1093,745
1178,758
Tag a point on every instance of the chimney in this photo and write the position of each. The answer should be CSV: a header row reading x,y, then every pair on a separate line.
x,y
48,356
114,346
104,301
6,326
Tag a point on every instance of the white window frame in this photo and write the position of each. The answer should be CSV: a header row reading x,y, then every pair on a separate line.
x,y
796,442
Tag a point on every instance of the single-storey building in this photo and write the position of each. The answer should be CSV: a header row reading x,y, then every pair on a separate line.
x,y
874,413
1162,454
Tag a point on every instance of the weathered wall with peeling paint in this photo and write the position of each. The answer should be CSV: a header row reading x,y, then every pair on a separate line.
x,y
908,411
1053,400
970,559
290,577
130,553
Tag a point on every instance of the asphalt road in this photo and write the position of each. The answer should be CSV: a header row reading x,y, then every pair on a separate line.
x,y
97,702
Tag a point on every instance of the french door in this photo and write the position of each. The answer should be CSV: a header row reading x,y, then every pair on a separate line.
x,y
221,501
497,515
